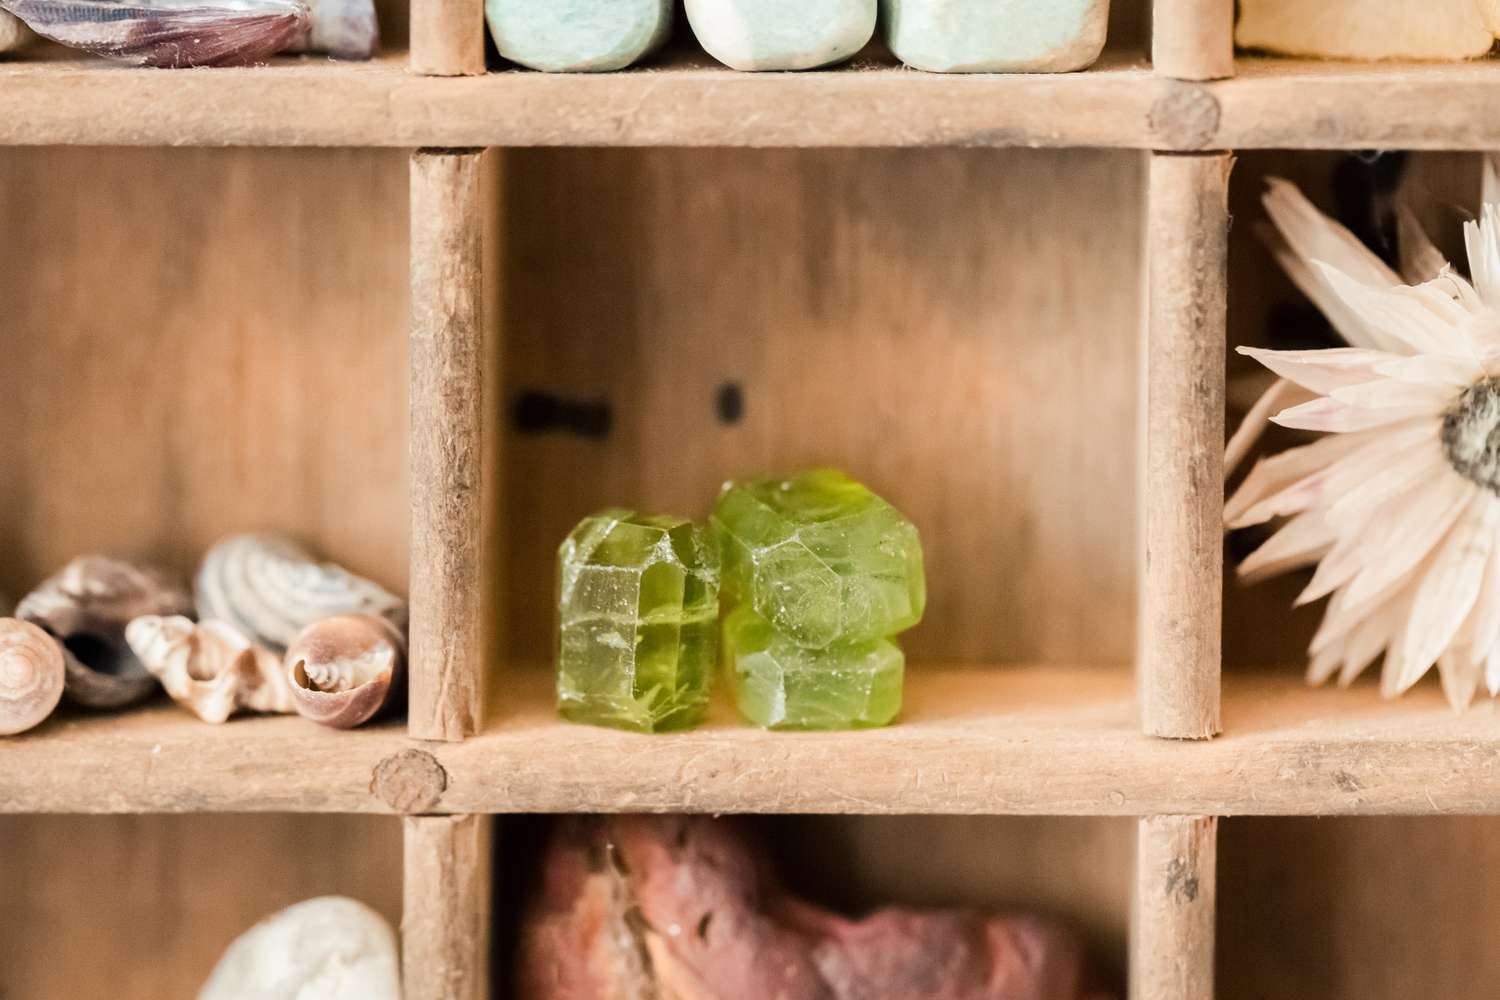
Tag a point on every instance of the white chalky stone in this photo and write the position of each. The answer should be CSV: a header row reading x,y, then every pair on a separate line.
x,y
995,36
578,36
782,34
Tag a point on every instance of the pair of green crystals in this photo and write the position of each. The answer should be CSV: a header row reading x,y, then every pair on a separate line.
x,y
818,574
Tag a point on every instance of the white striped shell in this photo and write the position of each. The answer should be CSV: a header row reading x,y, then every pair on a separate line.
x,y
329,948
31,675
210,668
271,588
86,605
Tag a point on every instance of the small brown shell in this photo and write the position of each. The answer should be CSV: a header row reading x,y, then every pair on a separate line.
x,y
345,670
210,668
86,605
31,675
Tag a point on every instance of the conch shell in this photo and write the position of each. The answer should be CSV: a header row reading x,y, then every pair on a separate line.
x,y
87,605
168,33
344,670
331,947
271,588
31,675
210,668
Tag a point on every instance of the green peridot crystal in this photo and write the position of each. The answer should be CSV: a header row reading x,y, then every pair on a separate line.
x,y
638,598
820,556
781,685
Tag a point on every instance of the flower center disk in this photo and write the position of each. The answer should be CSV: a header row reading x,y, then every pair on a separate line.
x,y
1471,434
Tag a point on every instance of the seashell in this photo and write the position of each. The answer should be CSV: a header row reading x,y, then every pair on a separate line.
x,y
272,588
330,947
345,29
86,605
14,35
168,33
210,668
31,675
344,670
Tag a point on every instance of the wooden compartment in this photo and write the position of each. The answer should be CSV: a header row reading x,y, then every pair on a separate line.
x,y
205,340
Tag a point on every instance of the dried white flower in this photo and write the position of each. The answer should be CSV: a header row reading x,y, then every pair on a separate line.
x,y
1399,506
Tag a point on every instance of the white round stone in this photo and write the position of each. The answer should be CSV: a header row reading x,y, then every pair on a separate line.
x,y
782,34
578,36
995,36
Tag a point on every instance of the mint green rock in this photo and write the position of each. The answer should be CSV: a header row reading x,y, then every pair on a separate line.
x,y
821,557
995,36
781,685
638,603
781,34
578,36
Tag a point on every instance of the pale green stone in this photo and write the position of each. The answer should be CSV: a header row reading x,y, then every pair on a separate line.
x,y
638,603
995,36
781,685
578,36
821,557
781,34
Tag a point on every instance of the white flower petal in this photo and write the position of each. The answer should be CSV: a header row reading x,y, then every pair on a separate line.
x,y
1484,255
1483,626
1414,316
1372,636
1492,673
1299,542
1433,369
1323,370
1420,260
1346,321
1334,416
1276,397
1273,476
1429,398
1409,458
1401,541
1446,593
1459,673
1314,236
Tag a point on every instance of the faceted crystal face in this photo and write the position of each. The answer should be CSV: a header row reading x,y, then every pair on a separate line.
x,y
822,557
781,685
638,602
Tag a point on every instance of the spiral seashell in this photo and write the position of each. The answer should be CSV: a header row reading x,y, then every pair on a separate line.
x,y
86,605
345,670
31,675
271,588
329,947
210,668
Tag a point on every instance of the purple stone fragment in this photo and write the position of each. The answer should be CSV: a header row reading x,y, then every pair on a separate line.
x,y
169,33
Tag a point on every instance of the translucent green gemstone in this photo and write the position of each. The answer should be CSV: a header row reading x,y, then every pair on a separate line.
x,y
781,685
822,557
638,602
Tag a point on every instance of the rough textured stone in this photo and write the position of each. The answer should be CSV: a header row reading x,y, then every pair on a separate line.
x,y
688,907
781,685
995,36
782,34
821,557
638,599
575,36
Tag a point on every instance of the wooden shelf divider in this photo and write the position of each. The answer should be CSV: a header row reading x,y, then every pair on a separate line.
x,y
445,922
447,38
1187,247
1172,915
1193,39
447,445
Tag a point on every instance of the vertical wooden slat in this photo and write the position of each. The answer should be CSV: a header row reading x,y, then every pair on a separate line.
x,y
1187,244
1193,39
1172,921
447,445
447,37
445,921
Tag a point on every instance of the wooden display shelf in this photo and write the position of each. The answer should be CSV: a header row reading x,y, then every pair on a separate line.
x,y
682,101
994,740
686,100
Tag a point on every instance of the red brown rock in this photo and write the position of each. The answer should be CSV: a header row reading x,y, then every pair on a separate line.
x,y
683,908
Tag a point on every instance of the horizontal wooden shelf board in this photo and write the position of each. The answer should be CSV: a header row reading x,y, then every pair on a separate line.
x,y
1020,740
1274,103
683,102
